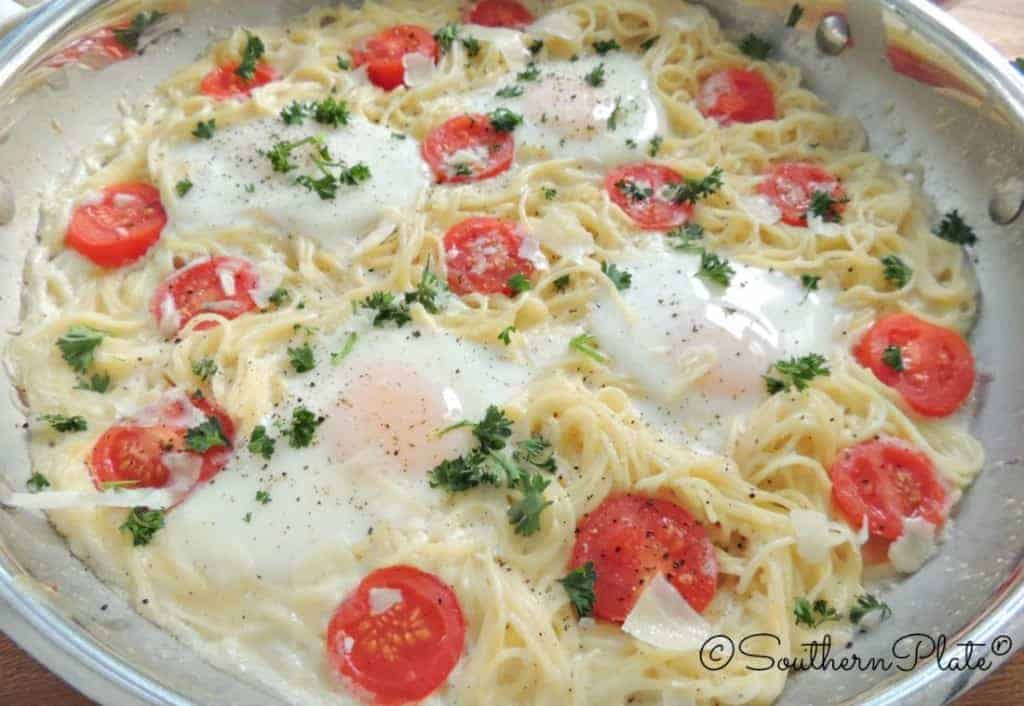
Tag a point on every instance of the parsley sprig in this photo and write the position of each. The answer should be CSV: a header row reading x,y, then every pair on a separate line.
x,y
826,207
955,230
251,54
603,46
64,423
585,344
796,372
596,76
756,47
206,436
579,584
893,357
128,37
686,238
504,120
391,309
896,271
715,269
620,278
692,190
814,614
142,523
260,443
78,346
795,14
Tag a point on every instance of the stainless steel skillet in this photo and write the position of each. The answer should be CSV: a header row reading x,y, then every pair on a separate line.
x,y
967,136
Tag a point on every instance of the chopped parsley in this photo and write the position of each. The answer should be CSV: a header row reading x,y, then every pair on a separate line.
x,y
654,146
37,482
687,238
755,47
204,129
295,113
530,73
346,348
304,423
826,207
471,45
331,112
490,432
206,436
142,523
343,63
715,269
536,46
247,517
446,36
78,346
128,37
511,91
584,343
183,187
603,46
562,283
633,190
796,372
261,444
63,423
504,120
262,497
280,296
893,357
866,603
813,614
251,54
648,43
549,193
301,358
98,382
795,14
524,513
620,278
596,77
537,452
692,190
615,115
519,283
579,584
506,335
427,291
953,229
810,282
387,308
896,271
281,153
204,368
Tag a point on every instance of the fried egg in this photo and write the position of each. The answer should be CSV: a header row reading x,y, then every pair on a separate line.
x,y
670,321
566,115
382,407
234,183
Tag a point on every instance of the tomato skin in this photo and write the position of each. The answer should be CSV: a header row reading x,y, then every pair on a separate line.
x,y
382,53
887,480
414,644
736,96
468,132
500,13
102,46
121,227
482,254
131,451
632,538
221,82
791,186
654,212
938,366
197,288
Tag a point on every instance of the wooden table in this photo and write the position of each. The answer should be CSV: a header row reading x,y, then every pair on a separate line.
x,y
24,682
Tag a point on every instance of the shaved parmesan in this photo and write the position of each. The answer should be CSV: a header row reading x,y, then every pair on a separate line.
x,y
914,547
819,226
761,209
507,41
559,24
664,619
529,249
419,69
126,200
381,599
560,232
174,409
814,539
226,275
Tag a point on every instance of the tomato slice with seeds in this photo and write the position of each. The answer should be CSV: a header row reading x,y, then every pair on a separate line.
x,y
99,48
120,227
382,53
631,539
221,82
482,254
792,185
888,481
133,452
468,148
639,190
221,285
500,13
736,96
401,644
938,370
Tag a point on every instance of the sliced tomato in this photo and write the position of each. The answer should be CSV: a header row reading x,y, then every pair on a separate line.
x,y
500,13
200,288
639,190
937,364
792,185
632,538
382,53
736,96
887,480
482,254
221,82
97,49
923,70
402,646
120,227
133,452
468,148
